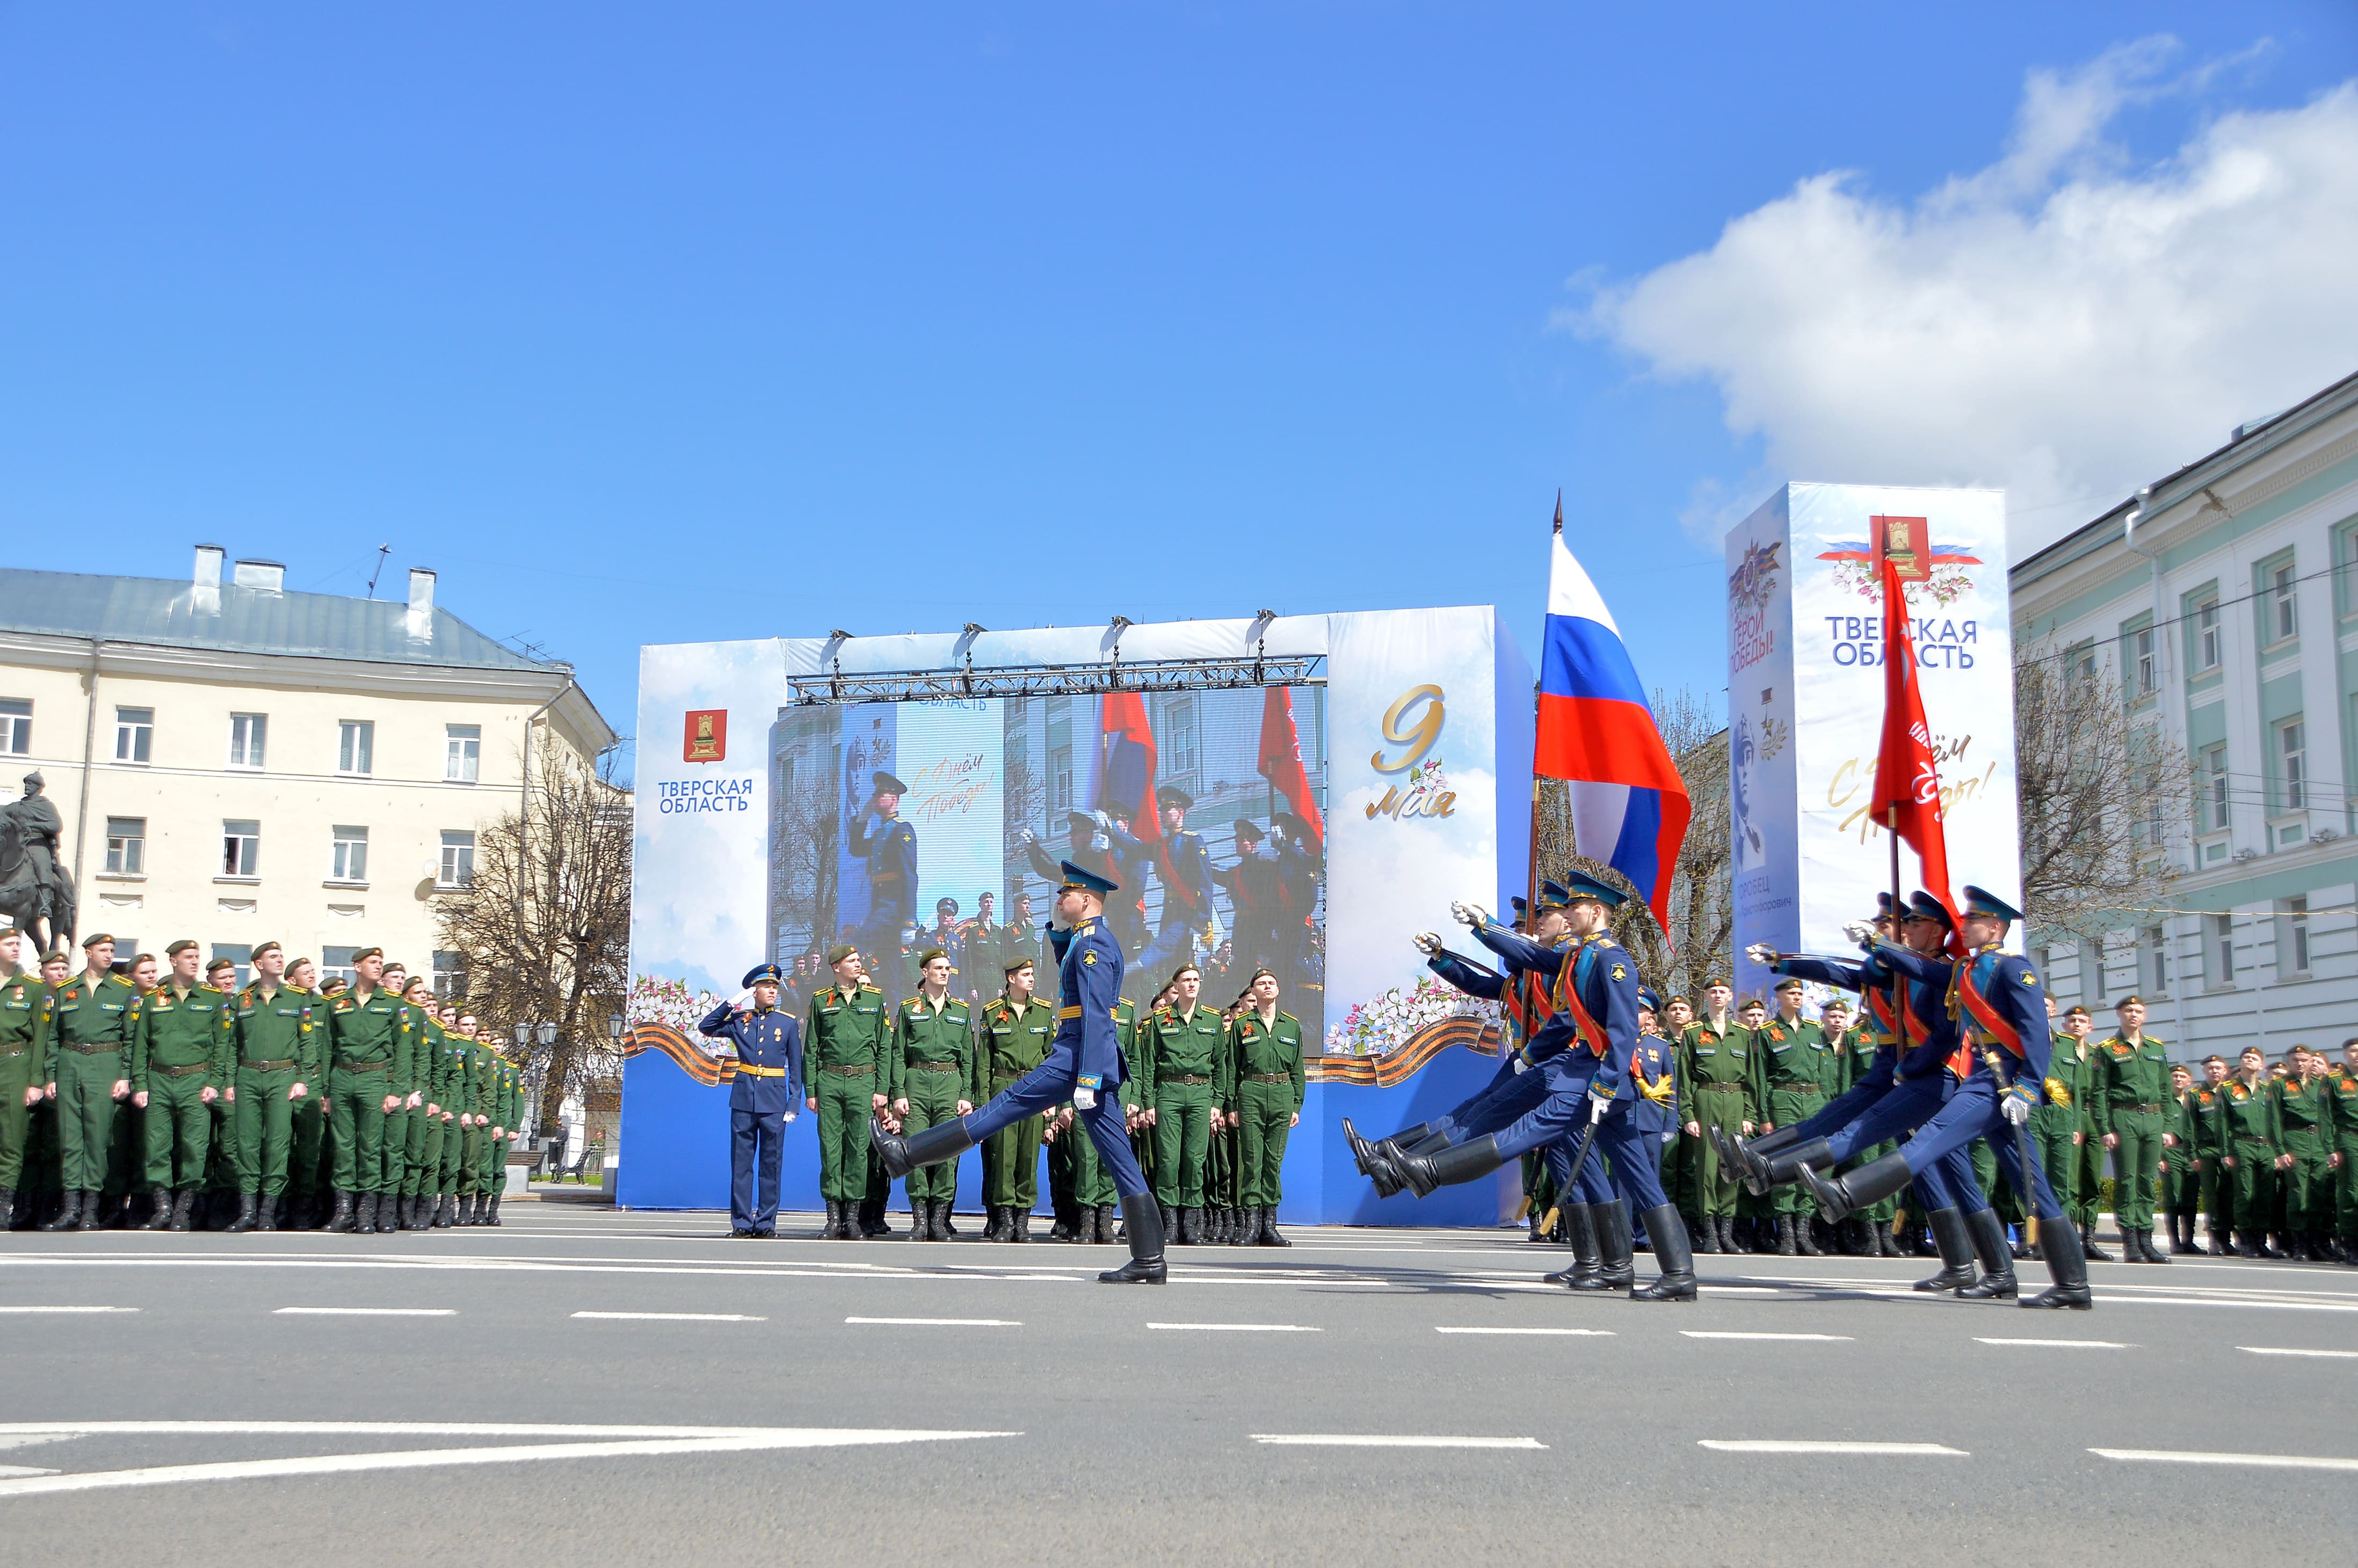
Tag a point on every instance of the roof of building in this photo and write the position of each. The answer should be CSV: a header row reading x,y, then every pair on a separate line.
x,y
179,613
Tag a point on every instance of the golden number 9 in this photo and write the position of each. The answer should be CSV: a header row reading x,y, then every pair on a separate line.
x,y
1419,739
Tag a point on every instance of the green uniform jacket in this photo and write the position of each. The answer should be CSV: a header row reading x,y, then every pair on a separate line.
x,y
1707,1056
278,1028
20,1018
77,1013
2206,1123
1014,1041
195,1030
2343,1096
2122,1076
2068,1064
1792,1055
1261,1050
374,1031
1842,1062
1171,1046
2304,1113
2246,1112
846,1032
924,1032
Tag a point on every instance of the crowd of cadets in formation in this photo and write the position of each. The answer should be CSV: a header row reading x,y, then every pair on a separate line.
x,y
161,1095
1212,1091
2265,1152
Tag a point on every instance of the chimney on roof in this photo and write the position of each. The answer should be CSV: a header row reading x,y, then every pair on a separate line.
x,y
209,565
269,577
421,603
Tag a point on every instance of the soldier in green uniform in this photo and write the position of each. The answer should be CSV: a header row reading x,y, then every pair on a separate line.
x,y
2207,1137
20,1069
457,1077
2305,1166
2247,1114
475,1097
1678,1012
180,1063
1795,1067
86,1029
2129,1094
371,1064
1718,1085
307,1157
422,1159
931,1079
1017,1030
216,1206
2342,1094
2180,1185
507,1115
2088,1150
1178,1059
40,1197
1266,1082
845,1044
394,1153
277,1061
2055,1130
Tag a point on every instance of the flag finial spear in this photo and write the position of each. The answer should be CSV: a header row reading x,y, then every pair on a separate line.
x,y
1559,509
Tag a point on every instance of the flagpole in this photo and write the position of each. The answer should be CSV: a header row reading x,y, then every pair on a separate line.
x,y
1532,866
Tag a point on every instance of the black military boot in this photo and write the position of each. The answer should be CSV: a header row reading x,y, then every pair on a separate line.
x,y
1856,1189
1703,1237
494,1216
66,1218
249,1214
921,1219
365,1210
1266,1233
1805,1238
1191,1228
942,1140
1729,1240
1988,1235
1887,1244
1143,1220
341,1220
159,1217
421,1213
995,1225
2068,1269
1468,1162
1587,1261
1785,1246
1211,1226
1956,1245
1616,1253
2088,1247
2152,1253
8,1208
446,1210
267,1218
1785,1166
1060,1228
115,1213
1678,1279
1019,1223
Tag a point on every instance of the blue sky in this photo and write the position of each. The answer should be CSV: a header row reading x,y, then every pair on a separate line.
x,y
655,325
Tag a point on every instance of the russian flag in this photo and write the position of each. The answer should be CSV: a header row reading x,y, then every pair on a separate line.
x,y
1629,805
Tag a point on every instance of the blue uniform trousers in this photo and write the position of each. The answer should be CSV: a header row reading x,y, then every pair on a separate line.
x,y
1909,1104
1843,1110
757,1148
1051,1084
1562,1109
1973,1112
1635,1152
1510,1096
1590,1187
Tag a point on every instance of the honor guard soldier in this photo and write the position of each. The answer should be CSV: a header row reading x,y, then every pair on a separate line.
x,y
1184,867
930,1079
1266,1084
179,1065
1084,1066
764,1094
368,1078
2129,1097
847,1033
277,1054
87,1024
889,845
20,1069
1018,1030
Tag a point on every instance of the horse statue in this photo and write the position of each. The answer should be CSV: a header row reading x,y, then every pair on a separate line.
x,y
36,894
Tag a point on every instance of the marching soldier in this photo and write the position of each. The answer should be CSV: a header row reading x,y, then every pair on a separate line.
x,y
277,1056
20,1070
2345,1151
1088,1189
2129,1095
1266,1083
1018,1029
1716,1081
87,1026
1794,1065
930,1078
845,1039
370,1065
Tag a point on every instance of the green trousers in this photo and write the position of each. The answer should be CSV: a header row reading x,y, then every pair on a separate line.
x,y
2087,1175
470,1161
2253,1183
86,1117
2136,1166
264,1119
1716,1188
2346,1192
454,1154
19,1070
1183,1135
1788,1108
307,1152
2181,1186
933,1099
426,1154
2307,1185
395,1161
221,1161
180,1130
2051,1127
357,1130
2001,1195
493,1179
42,1174
1010,1160
1267,1111
1088,1182
1224,1170
846,1101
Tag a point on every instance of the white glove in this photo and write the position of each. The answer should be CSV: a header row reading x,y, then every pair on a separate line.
x,y
1860,932
1761,953
1468,914
1104,820
1100,841
2014,1109
1025,836
1427,942
744,1002
1085,1100
790,1116
1599,1097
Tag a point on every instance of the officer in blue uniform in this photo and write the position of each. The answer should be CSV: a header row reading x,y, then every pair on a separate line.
x,y
891,850
1084,1066
2002,1009
767,1093
1643,1112
1184,867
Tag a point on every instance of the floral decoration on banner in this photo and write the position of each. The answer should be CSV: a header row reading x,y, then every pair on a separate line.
x,y
655,999
1387,1022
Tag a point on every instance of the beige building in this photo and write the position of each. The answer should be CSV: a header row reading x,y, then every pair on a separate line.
x,y
235,762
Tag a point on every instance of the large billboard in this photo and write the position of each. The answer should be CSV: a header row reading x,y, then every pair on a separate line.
x,y
1805,701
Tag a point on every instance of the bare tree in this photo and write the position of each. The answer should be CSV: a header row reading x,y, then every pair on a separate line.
x,y
2102,790
806,822
545,927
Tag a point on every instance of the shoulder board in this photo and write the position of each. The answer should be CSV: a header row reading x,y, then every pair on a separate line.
x,y
343,1004
1289,1018
1600,942
866,987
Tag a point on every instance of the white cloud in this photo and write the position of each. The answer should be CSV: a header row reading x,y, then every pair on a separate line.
x,y
2062,323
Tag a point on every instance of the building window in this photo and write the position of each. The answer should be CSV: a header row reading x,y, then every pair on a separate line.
x,y
451,975
246,733
2215,788
1179,737
2294,934
2292,752
336,964
2222,949
2283,621
458,870
238,953
462,750
2157,964
134,730
350,862
2148,676
2080,662
1060,779
16,727
2206,635
356,746
126,846
241,849
2091,964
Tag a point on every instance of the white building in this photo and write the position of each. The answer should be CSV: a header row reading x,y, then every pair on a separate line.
x,y
236,763
2227,607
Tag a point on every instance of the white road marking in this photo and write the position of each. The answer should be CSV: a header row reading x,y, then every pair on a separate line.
x,y
366,1312
674,1317
707,1439
2276,1350
2060,1344
943,1322
2191,1457
14,1472
1733,1334
1782,1445
1372,1440
1240,1327
64,1309
1598,1333
2111,1300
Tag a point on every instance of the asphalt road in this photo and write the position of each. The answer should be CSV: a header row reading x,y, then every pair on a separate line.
x,y
417,1398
